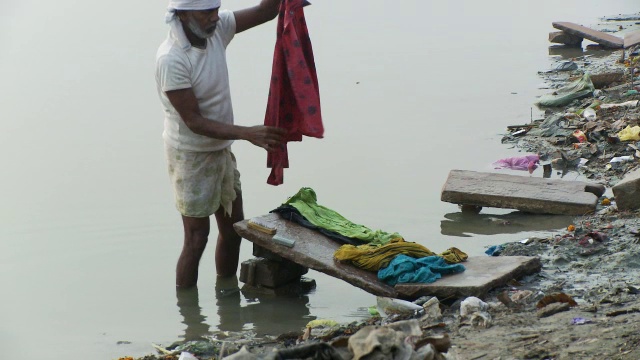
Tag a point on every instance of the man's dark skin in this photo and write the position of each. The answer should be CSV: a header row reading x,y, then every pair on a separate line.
x,y
196,230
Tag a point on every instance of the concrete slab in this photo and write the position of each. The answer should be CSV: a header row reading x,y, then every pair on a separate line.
x,y
534,195
482,274
631,39
315,251
596,36
627,191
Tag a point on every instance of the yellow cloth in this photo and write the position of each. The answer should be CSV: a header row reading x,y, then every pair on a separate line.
x,y
454,255
374,258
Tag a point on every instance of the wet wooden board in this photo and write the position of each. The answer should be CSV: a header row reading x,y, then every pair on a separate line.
x,y
596,36
524,193
631,39
315,251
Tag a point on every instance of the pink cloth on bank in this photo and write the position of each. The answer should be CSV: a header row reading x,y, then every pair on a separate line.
x,y
528,162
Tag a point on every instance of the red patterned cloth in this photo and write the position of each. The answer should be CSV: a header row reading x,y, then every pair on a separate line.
x,y
294,97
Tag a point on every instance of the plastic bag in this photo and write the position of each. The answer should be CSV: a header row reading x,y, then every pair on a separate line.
x,y
589,114
566,94
629,133
528,162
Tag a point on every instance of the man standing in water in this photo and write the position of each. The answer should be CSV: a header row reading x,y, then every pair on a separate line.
x,y
193,84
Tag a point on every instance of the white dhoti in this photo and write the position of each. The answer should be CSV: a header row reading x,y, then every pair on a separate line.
x,y
203,181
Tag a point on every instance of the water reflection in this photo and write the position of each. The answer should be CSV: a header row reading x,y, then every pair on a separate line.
x,y
571,52
189,307
565,52
274,315
463,224
265,313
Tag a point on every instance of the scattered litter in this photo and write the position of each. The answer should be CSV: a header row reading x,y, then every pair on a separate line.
x,y
552,309
566,94
387,306
566,66
471,305
629,133
556,298
580,321
580,136
321,323
632,103
527,162
187,356
589,114
521,296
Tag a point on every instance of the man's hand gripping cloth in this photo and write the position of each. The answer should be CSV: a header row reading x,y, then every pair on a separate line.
x,y
294,97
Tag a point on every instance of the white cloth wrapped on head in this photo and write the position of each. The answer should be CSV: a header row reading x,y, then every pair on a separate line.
x,y
171,18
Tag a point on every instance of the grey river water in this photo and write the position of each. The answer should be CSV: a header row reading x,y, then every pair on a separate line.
x,y
90,236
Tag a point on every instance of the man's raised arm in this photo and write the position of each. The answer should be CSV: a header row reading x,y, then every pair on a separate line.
x,y
256,15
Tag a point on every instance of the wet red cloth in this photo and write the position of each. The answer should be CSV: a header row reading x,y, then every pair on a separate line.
x,y
294,97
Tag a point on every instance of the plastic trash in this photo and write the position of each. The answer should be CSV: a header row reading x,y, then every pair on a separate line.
x,y
527,162
387,306
631,103
322,323
626,158
566,94
589,114
618,161
580,321
472,305
578,134
566,66
432,310
629,133
187,356
475,310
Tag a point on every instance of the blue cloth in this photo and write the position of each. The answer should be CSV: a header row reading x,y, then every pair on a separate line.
x,y
405,269
494,250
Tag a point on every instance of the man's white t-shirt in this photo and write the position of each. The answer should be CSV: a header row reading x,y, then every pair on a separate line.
x,y
203,70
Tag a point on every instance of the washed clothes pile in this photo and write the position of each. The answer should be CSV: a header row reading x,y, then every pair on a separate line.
x,y
395,260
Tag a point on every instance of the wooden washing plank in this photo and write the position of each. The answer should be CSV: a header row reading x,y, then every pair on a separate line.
x,y
596,36
631,39
315,251
535,195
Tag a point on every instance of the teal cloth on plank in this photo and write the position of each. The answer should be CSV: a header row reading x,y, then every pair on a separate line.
x,y
405,269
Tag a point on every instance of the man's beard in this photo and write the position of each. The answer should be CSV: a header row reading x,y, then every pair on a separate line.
x,y
198,31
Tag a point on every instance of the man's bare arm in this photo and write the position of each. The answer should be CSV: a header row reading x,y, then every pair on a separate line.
x,y
185,102
256,15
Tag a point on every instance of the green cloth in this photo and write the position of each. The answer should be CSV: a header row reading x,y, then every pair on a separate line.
x,y
307,203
